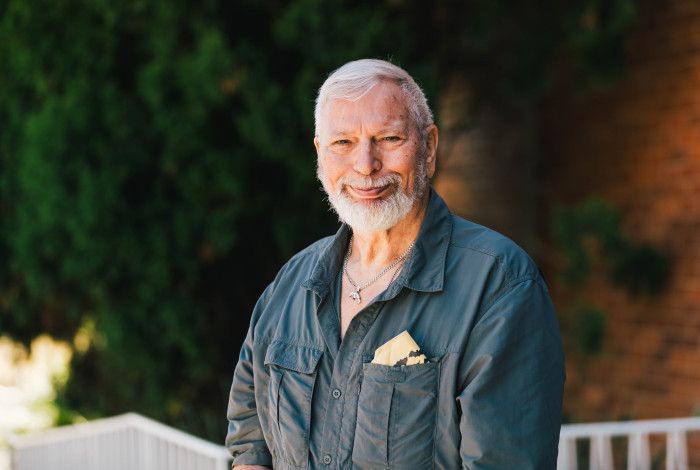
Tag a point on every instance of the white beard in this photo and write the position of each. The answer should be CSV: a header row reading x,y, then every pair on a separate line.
x,y
380,214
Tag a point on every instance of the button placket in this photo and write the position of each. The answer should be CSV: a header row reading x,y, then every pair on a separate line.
x,y
348,353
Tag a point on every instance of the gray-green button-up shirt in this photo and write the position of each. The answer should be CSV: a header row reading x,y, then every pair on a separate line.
x,y
489,396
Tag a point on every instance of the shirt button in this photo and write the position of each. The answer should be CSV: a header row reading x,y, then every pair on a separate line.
x,y
327,459
336,393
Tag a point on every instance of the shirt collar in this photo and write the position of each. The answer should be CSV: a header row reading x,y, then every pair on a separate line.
x,y
424,269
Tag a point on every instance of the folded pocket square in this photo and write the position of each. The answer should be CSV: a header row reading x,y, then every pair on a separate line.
x,y
401,350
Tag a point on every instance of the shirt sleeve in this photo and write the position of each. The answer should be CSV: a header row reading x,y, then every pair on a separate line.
x,y
245,440
511,398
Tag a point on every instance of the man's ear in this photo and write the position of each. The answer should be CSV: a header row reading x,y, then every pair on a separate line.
x,y
431,141
317,144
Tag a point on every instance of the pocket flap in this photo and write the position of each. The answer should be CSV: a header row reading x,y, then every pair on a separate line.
x,y
301,359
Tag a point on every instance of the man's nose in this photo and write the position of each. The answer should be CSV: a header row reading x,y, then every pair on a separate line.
x,y
367,159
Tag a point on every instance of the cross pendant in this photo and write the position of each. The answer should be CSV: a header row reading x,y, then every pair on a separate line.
x,y
355,295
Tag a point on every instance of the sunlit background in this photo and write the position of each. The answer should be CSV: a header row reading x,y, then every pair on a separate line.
x,y
157,168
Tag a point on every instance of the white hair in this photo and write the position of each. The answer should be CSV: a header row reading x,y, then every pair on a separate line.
x,y
354,79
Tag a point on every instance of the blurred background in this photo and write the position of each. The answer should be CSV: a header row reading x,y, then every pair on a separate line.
x,y
157,169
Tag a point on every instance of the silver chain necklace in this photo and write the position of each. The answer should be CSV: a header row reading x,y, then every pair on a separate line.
x,y
355,295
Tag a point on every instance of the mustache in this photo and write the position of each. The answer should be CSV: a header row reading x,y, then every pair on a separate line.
x,y
368,182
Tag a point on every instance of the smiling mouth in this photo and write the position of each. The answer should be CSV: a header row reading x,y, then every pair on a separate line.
x,y
369,193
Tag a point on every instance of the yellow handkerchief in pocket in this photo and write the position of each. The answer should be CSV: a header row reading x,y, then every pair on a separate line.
x,y
401,350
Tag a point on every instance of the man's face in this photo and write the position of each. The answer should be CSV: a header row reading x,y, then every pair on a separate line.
x,y
372,161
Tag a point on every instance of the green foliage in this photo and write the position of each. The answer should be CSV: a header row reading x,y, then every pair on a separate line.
x,y
588,328
509,48
157,168
639,268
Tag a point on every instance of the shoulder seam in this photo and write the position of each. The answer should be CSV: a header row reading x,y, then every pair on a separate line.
x,y
310,250
497,259
306,252
505,290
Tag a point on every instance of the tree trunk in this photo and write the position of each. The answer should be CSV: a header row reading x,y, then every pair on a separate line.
x,y
486,163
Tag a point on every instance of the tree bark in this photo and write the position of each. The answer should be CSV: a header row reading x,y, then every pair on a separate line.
x,y
487,161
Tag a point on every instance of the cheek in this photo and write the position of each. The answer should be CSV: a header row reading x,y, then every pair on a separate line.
x,y
328,172
406,165
337,164
327,167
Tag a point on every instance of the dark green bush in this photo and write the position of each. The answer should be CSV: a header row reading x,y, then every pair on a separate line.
x,y
157,168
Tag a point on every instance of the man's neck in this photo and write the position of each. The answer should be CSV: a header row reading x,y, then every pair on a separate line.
x,y
372,251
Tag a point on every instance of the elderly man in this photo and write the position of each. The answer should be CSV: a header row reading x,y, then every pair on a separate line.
x,y
411,338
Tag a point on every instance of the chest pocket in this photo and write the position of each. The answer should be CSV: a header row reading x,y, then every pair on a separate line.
x,y
292,377
396,417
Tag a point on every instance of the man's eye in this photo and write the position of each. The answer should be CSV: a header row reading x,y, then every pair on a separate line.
x,y
341,142
391,138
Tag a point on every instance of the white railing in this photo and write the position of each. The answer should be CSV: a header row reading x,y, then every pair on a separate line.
x,y
637,434
134,442
129,441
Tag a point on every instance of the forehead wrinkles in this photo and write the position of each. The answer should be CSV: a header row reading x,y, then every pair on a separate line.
x,y
374,123
348,121
382,107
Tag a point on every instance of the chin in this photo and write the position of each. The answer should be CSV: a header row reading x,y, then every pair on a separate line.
x,y
375,214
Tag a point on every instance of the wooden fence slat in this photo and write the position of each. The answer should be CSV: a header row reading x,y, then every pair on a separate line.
x,y
601,453
638,456
676,451
567,454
